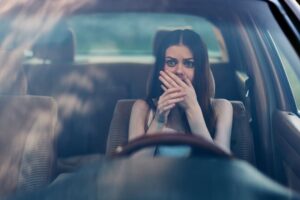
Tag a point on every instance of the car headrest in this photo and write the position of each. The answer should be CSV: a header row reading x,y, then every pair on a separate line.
x,y
56,46
160,34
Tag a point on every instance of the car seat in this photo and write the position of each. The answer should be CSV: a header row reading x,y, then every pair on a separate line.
x,y
27,143
56,46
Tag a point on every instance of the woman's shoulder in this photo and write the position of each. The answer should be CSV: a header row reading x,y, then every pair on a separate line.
x,y
219,101
221,105
140,104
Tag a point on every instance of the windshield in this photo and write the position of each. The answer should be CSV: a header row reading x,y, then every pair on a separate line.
x,y
65,66
126,36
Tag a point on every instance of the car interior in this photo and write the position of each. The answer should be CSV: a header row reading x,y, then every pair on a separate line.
x,y
65,113
103,94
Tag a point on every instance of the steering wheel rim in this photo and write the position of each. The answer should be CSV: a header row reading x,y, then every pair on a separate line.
x,y
198,144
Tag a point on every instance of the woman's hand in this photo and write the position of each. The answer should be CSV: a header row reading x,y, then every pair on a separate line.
x,y
170,80
190,104
166,102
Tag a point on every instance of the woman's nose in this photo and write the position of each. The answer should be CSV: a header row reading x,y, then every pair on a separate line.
x,y
179,68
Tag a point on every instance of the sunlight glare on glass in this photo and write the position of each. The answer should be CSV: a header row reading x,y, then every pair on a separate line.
x,y
26,21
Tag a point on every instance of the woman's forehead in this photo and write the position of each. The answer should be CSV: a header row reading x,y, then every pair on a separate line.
x,y
179,51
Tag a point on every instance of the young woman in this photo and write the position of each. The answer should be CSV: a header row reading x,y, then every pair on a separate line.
x,y
178,97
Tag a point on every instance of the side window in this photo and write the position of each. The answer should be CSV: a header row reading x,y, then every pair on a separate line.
x,y
291,64
293,79
289,60
283,55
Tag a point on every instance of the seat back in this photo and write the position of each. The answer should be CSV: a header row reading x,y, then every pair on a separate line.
x,y
242,144
27,143
86,98
241,138
119,126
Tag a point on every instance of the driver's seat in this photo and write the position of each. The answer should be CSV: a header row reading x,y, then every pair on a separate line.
x,y
241,136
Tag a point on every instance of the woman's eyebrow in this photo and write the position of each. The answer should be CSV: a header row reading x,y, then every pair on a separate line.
x,y
188,59
169,57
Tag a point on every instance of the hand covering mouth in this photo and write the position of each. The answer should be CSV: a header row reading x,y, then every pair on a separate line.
x,y
181,76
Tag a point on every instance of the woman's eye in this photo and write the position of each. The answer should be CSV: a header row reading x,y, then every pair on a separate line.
x,y
171,63
189,64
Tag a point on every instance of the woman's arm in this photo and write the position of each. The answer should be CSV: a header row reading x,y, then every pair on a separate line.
x,y
224,114
197,123
222,109
140,110
138,117
137,124
189,104
138,121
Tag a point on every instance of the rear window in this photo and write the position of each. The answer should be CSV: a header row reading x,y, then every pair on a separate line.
x,y
107,37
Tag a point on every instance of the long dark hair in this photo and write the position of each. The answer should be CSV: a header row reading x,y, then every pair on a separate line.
x,y
201,81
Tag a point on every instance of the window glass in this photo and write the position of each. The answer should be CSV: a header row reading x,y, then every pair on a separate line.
x,y
293,79
290,62
280,49
106,36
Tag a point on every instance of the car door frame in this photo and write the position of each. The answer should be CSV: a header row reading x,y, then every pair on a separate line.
x,y
279,124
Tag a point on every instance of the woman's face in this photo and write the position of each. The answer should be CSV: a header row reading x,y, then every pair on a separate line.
x,y
180,61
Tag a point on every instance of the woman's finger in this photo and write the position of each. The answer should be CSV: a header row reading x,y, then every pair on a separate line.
x,y
167,81
188,81
167,78
170,90
171,101
172,95
165,107
176,79
175,95
163,87
168,107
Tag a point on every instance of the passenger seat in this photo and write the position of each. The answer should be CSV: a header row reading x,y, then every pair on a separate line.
x,y
27,143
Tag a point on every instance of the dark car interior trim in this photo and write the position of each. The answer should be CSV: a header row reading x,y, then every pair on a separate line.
x,y
288,26
286,127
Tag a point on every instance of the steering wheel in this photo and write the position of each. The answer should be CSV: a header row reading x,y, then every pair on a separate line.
x,y
199,145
